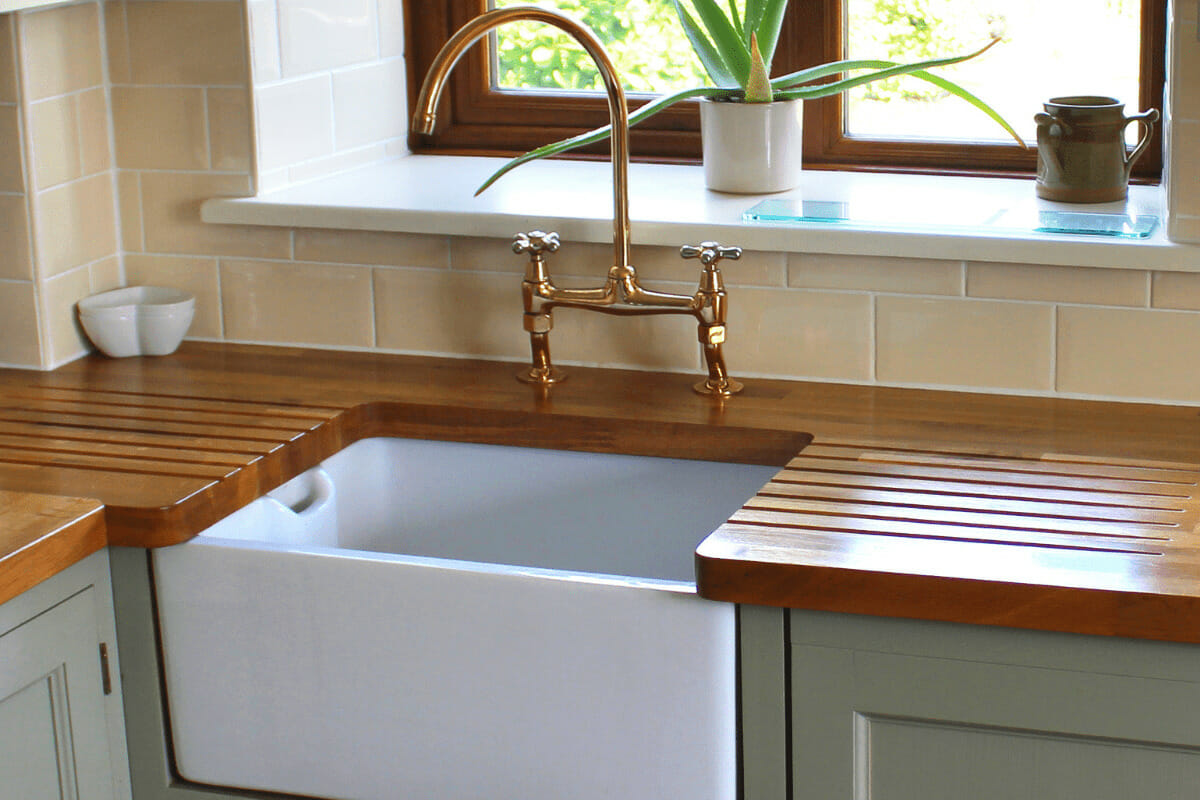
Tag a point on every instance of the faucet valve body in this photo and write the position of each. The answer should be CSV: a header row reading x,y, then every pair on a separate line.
x,y
622,294
711,311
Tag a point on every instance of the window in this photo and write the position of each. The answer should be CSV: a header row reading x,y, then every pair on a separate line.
x,y
482,119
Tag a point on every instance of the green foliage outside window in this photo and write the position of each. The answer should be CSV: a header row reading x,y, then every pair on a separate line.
x,y
646,43
642,37
910,30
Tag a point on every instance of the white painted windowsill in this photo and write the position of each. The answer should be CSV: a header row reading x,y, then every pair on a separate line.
x,y
670,206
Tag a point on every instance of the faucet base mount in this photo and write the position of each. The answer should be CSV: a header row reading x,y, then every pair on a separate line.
x,y
725,388
547,376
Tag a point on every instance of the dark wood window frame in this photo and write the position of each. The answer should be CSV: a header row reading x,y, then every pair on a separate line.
x,y
475,119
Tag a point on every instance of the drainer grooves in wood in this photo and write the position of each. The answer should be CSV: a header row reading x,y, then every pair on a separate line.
x,y
147,436
863,490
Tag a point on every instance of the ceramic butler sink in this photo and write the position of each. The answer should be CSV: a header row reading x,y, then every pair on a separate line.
x,y
459,620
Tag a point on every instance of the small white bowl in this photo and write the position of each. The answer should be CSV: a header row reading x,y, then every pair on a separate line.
x,y
137,321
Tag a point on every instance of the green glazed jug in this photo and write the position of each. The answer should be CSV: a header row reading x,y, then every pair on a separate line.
x,y
1082,156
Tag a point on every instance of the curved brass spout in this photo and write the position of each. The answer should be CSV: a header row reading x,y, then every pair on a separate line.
x,y
621,292
425,114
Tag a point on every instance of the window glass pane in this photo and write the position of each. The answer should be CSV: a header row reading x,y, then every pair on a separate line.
x,y
1050,49
643,38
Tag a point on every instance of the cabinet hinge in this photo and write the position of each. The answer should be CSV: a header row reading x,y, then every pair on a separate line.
x,y
105,677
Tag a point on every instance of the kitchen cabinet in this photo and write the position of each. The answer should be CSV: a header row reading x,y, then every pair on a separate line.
x,y
897,709
61,721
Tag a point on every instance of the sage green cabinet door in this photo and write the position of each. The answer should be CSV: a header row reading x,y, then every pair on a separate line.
x,y
1007,716
53,736
30,750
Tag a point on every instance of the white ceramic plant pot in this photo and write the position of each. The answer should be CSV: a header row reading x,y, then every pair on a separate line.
x,y
751,148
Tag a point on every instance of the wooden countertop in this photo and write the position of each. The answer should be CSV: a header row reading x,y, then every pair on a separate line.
x,y
172,444
43,534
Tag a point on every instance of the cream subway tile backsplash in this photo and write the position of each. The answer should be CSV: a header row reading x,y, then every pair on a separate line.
x,y
160,127
229,129
352,50
1185,61
1185,227
369,104
57,156
95,148
661,341
391,28
973,344
8,65
116,42
317,304
62,50
76,225
338,162
66,339
196,275
12,167
129,201
482,254
1115,287
295,122
264,40
65,155
1130,353
754,268
875,273
19,339
1181,123
171,218
1178,290
1185,169
15,263
823,335
438,311
373,247
181,43
318,35
106,274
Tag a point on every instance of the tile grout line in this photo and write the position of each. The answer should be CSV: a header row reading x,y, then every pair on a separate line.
x,y
1053,361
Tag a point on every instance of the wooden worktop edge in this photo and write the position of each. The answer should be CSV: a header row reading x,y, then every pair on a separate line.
x,y
65,531
977,602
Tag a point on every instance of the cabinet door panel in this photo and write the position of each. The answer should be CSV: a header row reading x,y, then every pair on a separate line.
x,y
52,711
907,759
882,726
31,749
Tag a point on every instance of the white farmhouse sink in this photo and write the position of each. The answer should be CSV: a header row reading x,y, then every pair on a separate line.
x,y
436,619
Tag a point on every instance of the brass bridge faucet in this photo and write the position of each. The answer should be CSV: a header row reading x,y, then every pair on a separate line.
x,y
621,292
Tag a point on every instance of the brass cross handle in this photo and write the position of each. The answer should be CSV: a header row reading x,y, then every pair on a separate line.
x,y
535,242
710,253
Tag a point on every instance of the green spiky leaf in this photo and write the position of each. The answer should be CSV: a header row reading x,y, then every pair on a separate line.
x,y
769,22
711,58
602,133
733,50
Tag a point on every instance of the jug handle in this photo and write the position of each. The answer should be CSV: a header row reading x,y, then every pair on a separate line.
x,y
1146,119
1055,128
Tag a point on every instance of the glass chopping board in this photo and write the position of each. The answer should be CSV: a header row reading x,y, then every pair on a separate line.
x,y
981,217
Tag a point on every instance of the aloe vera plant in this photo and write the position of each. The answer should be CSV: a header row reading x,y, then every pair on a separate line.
x,y
735,47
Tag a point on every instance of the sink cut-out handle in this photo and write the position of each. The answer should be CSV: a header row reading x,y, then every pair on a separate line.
x,y
305,494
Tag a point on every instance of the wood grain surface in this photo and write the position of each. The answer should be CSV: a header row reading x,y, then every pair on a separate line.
x,y
42,534
960,536
1034,512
